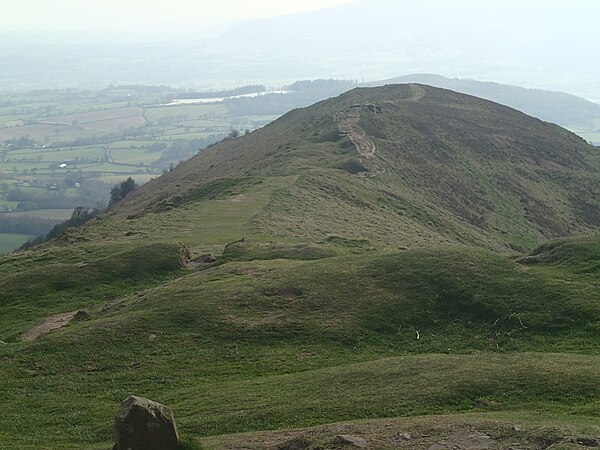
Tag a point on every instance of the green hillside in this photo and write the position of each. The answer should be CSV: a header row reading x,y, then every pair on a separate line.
x,y
400,259
446,168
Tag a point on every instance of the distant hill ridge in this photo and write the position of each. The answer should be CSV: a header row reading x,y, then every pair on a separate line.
x,y
557,107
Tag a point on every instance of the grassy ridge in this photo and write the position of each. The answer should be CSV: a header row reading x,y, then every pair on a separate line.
x,y
287,343
383,298
580,254
395,387
41,290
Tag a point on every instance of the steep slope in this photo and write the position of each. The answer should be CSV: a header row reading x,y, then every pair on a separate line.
x,y
400,165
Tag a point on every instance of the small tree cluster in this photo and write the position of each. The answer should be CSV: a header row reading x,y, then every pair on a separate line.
x,y
122,190
79,217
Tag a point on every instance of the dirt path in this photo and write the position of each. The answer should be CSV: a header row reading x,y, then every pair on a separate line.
x,y
49,324
348,124
418,92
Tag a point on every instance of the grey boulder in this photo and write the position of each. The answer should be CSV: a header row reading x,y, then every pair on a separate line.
x,y
142,424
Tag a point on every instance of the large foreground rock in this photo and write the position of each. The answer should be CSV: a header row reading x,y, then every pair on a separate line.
x,y
142,424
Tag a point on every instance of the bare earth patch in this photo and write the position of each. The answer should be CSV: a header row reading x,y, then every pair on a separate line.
x,y
348,125
51,323
239,198
470,440
416,433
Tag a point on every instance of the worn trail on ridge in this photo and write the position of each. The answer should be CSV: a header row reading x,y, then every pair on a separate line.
x,y
348,125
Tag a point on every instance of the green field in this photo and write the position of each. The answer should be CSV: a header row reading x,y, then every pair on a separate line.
x,y
9,241
52,140
52,214
140,156
189,112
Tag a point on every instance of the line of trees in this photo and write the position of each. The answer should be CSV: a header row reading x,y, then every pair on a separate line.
x,y
18,143
82,215
250,89
79,217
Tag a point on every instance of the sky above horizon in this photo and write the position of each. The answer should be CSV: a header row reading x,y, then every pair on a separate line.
x,y
548,44
142,15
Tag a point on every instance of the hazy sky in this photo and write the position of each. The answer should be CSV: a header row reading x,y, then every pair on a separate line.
x,y
141,15
549,44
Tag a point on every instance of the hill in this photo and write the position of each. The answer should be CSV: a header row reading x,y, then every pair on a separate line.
x,y
557,107
285,343
403,165
376,290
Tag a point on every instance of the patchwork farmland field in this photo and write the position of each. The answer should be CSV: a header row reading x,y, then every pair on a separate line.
x,y
64,149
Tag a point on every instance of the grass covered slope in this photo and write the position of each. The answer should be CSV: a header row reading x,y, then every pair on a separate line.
x,y
400,165
44,287
267,344
367,268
